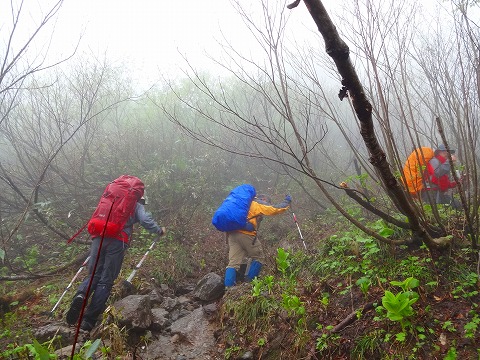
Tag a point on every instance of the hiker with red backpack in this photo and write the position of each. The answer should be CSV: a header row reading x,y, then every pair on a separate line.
x,y
239,216
121,206
438,181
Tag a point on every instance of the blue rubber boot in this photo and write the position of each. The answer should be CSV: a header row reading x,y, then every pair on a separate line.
x,y
254,270
230,277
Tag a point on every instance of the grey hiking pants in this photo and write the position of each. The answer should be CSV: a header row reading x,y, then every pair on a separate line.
x,y
433,196
108,268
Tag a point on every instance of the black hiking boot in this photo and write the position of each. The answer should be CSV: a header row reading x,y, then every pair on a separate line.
x,y
241,273
75,308
86,326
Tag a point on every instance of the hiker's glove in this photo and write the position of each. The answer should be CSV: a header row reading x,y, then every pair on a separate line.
x,y
288,198
249,226
161,231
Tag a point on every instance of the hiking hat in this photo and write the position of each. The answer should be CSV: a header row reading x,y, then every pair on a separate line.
x,y
442,147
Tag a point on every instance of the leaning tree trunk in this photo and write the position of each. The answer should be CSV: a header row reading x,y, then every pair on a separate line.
x,y
352,87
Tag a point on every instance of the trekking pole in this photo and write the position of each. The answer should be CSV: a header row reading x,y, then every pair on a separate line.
x,y
70,285
129,279
299,231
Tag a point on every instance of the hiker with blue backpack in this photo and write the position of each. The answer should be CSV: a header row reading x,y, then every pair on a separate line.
x,y
111,226
239,216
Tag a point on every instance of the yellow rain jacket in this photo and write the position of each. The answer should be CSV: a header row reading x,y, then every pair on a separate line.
x,y
258,209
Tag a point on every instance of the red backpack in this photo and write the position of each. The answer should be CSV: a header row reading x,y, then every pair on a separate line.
x,y
116,206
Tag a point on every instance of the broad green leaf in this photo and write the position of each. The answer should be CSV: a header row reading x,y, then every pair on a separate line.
x,y
386,232
42,353
91,350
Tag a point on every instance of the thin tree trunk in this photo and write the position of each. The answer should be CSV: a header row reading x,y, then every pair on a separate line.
x,y
352,87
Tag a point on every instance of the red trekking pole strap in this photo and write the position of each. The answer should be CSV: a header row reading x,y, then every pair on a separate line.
x,y
78,233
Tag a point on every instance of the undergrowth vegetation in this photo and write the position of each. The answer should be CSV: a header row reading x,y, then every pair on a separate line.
x,y
346,297
352,298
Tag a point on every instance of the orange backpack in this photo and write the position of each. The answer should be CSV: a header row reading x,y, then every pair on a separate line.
x,y
414,168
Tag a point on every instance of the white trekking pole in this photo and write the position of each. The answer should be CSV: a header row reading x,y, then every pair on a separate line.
x,y
127,284
70,285
299,231
129,279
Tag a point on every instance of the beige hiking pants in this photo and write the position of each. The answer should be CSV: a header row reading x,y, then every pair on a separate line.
x,y
241,246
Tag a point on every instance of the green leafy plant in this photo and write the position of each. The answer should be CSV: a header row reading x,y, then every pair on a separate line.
x,y
89,348
43,351
283,261
327,339
30,259
293,304
471,327
364,284
448,325
383,229
451,354
260,285
257,286
325,300
407,285
399,306
231,351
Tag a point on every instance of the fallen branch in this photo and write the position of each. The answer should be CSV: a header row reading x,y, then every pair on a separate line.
x,y
31,276
352,317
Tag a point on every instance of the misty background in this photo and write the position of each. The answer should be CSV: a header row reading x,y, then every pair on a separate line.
x,y
197,98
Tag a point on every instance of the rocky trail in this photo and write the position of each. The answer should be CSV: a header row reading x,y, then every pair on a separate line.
x,y
158,323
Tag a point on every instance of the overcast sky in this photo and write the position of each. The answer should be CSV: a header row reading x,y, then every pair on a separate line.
x,y
149,34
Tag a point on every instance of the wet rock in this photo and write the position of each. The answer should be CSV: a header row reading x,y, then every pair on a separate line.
x,y
159,319
135,311
169,304
184,289
156,297
64,333
209,288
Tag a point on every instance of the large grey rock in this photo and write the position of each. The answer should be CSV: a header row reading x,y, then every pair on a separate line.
x,y
183,289
135,311
47,332
190,326
209,288
192,339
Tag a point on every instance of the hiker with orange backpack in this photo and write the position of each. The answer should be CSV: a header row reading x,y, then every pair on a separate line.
x,y
111,225
438,181
415,168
